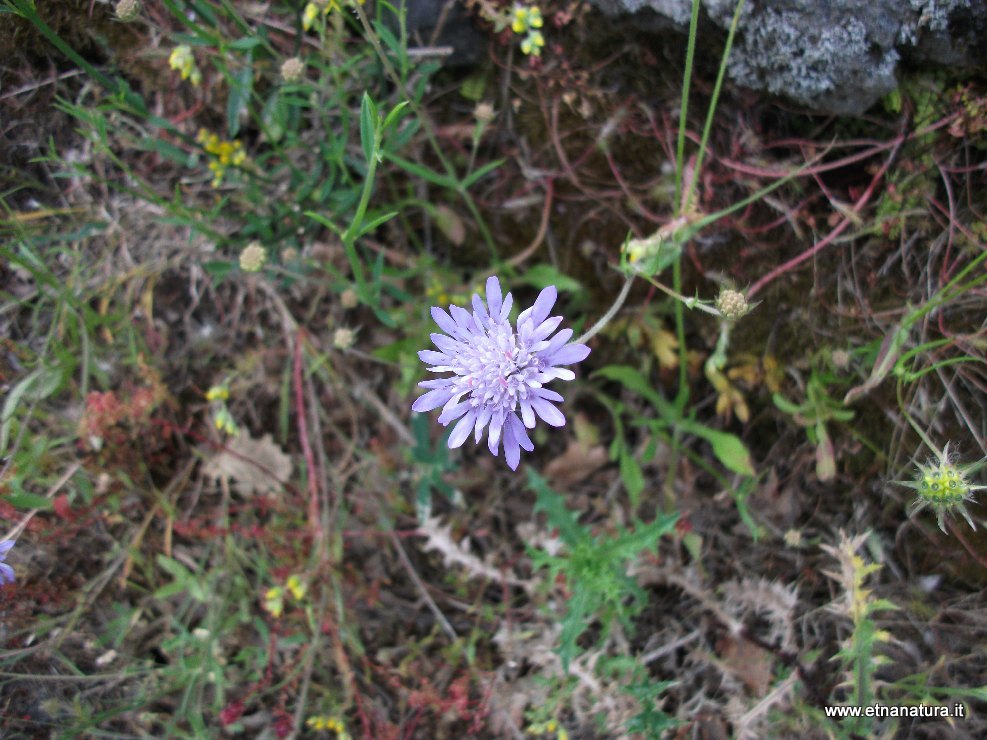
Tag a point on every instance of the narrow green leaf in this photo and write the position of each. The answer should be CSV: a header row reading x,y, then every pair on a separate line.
x,y
631,475
368,127
241,85
727,447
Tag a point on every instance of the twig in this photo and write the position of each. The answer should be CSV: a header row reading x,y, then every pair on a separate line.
x,y
433,607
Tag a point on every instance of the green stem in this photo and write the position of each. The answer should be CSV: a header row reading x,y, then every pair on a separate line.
x,y
611,312
690,55
708,126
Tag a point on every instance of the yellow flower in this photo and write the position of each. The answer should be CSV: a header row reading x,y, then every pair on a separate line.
x,y
533,43
274,601
520,24
181,59
297,587
534,17
217,393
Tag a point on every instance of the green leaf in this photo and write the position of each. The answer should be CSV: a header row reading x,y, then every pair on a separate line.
x,y
727,447
244,44
241,85
368,127
443,181
27,501
478,173
369,226
631,475
35,386
632,379
543,275
394,115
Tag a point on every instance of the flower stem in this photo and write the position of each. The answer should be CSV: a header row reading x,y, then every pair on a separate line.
x,y
611,312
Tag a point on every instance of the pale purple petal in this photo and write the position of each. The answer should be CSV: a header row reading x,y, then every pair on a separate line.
x,y
543,304
463,320
444,321
522,436
431,357
512,449
545,328
568,355
548,412
493,435
481,421
547,394
527,413
555,344
462,430
453,412
5,547
505,310
431,400
494,297
479,309
6,574
447,345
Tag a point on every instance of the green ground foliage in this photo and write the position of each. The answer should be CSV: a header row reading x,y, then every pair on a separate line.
x,y
224,226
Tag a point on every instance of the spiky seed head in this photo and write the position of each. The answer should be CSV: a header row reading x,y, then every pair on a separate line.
x,y
732,304
253,257
292,69
943,486
127,10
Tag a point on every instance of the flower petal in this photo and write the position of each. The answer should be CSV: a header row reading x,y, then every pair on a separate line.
x,y
543,304
555,344
505,310
547,394
512,449
545,328
453,412
568,355
548,412
481,421
5,547
527,413
462,430
6,574
444,321
494,297
493,436
447,345
480,310
431,400
431,357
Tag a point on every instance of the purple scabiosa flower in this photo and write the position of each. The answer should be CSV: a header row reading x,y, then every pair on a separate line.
x,y
6,572
501,370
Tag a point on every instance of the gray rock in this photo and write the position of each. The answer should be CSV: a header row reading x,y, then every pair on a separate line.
x,y
833,56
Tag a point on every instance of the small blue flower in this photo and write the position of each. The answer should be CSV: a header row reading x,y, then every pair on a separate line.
x,y
6,572
501,370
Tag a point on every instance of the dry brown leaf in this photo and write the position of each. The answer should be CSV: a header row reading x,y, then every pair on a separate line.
x,y
748,662
255,465
577,463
